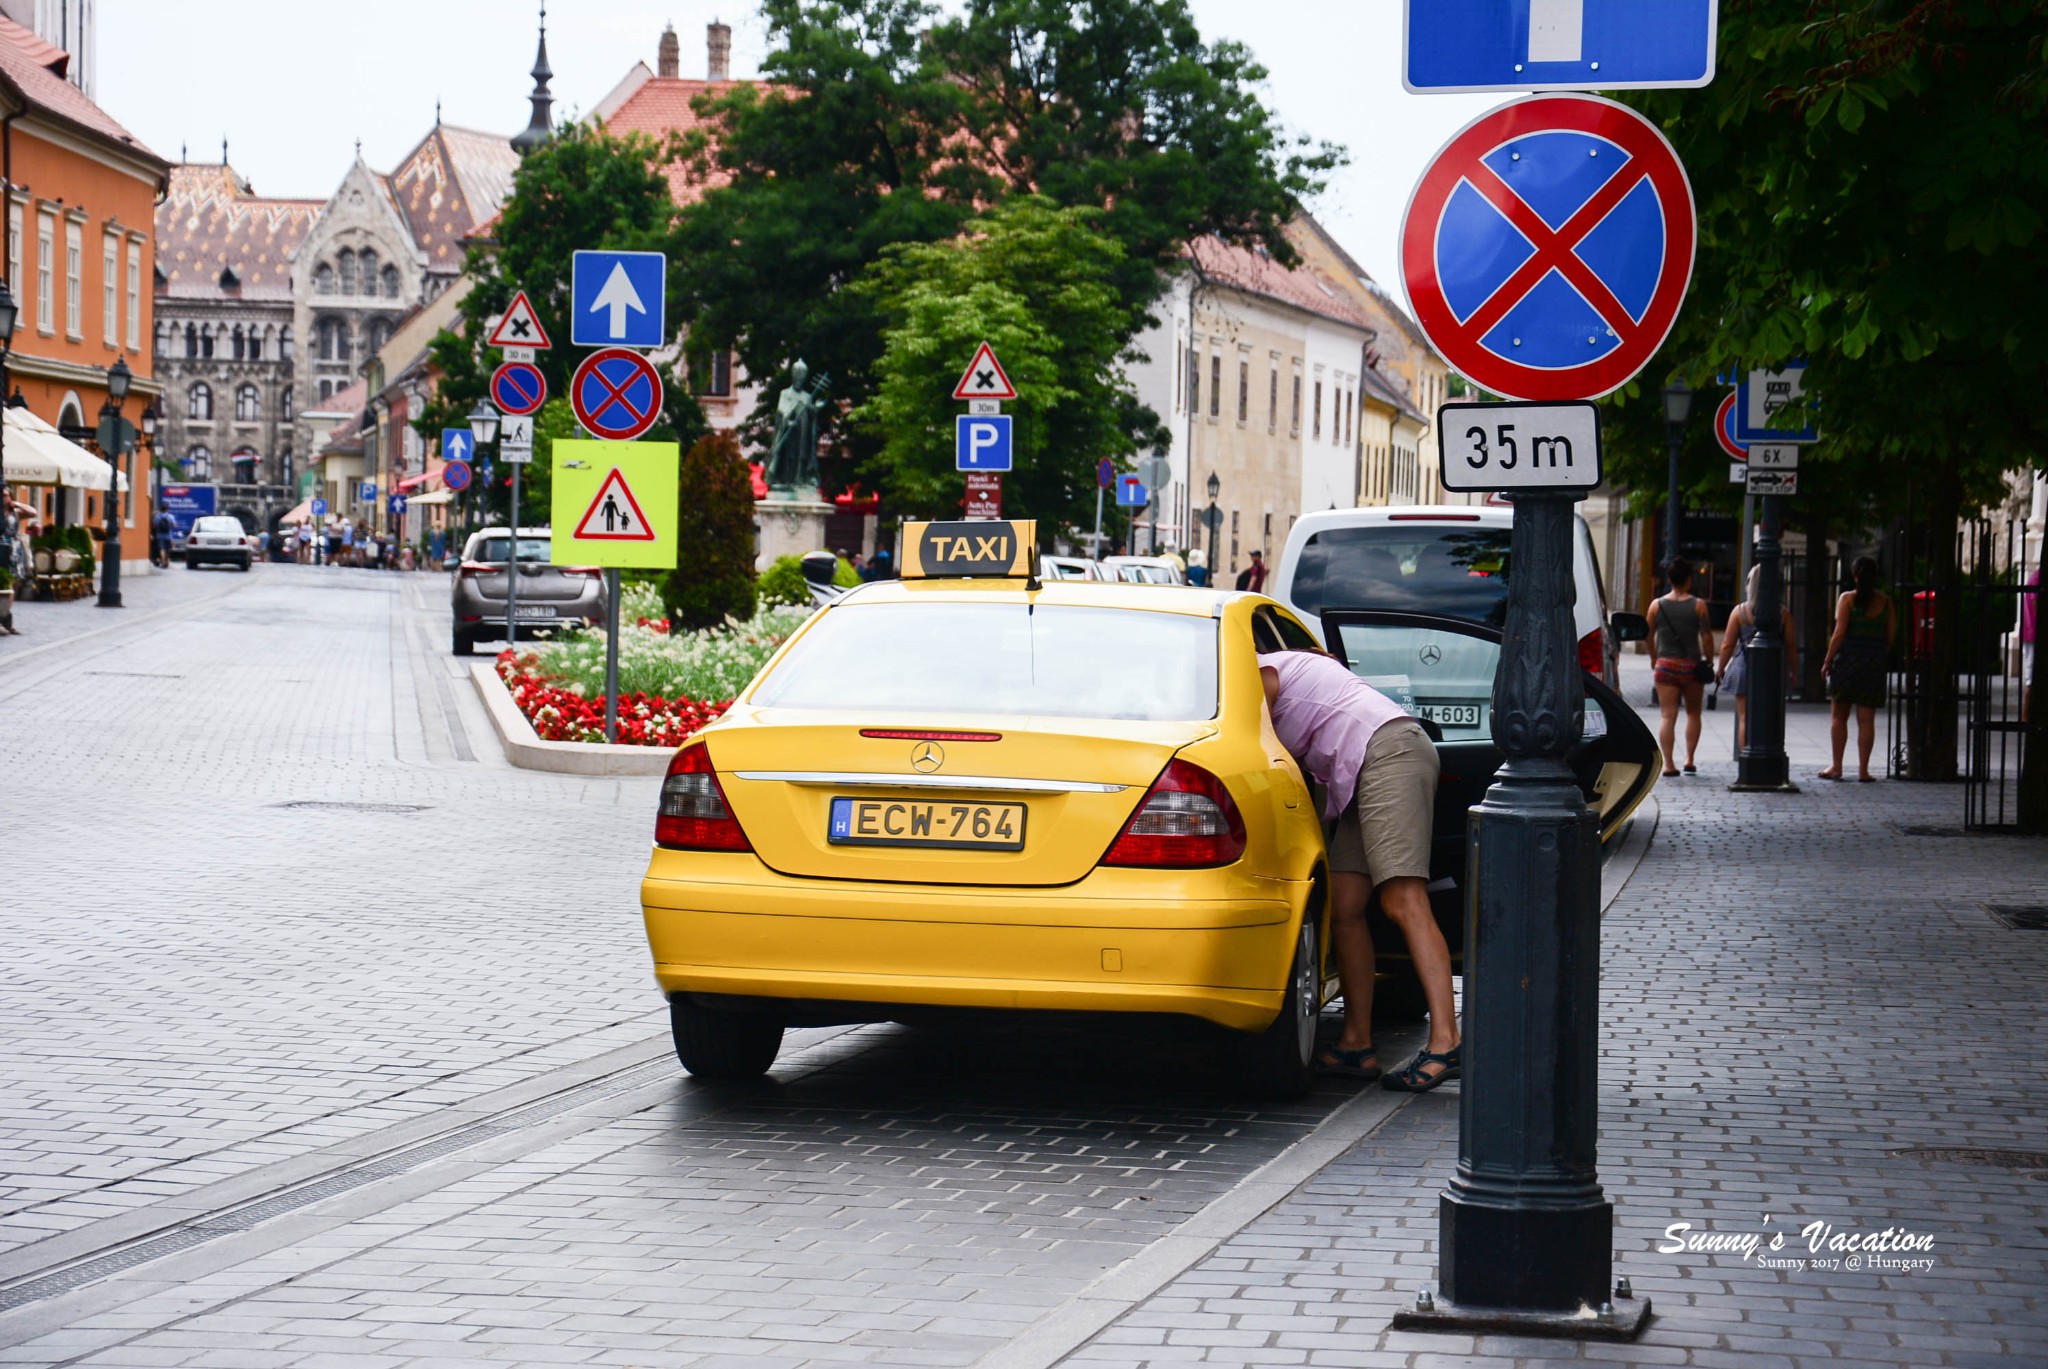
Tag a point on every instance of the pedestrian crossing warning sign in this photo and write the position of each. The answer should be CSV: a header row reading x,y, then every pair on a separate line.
x,y
614,504
614,516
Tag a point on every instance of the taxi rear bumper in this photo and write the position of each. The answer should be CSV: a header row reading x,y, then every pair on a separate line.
x,y
1213,944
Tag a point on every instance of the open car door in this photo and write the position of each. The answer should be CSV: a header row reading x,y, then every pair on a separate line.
x,y
1441,670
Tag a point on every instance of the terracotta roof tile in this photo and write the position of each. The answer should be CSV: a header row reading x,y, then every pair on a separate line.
x,y
25,63
209,220
1258,274
659,106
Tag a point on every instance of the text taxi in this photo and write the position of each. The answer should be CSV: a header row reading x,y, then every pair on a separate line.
x,y
968,789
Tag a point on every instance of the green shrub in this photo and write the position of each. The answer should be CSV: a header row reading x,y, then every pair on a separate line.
x,y
714,575
784,583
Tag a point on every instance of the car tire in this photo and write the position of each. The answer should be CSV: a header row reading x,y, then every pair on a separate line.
x,y
461,643
190,564
244,567
1278,1063
715,1044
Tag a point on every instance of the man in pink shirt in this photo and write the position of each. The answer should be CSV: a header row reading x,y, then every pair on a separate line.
x,y
1379,772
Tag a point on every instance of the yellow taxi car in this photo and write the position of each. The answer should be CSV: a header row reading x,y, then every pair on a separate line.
x,y
970,789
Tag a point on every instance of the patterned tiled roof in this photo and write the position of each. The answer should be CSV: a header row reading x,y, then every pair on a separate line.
x,y
209,220
453,181
1258,274
26,65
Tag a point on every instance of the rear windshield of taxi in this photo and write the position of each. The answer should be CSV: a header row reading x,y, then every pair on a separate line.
x,y
1054,661
1457,570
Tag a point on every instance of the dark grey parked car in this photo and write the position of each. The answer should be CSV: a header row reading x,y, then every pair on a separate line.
x,y
550,597
218,539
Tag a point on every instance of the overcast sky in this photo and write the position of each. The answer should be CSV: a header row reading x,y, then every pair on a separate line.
x,y
293,86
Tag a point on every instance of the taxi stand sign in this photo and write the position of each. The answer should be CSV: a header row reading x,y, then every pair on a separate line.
x,y
1001,550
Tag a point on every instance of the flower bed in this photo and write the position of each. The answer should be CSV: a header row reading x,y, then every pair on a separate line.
x,y
669,686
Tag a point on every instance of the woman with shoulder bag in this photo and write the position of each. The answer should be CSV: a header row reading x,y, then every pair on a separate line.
x,y
1681,638
1857,664
1733,672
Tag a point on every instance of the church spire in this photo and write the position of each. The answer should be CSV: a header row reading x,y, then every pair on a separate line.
x,y
541,126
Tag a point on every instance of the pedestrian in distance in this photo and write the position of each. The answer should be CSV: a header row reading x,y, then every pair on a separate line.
x,y
2030,609
163,530
1198,569
1682,641
1378,770
348,542
1253,576
1732,671
1858,659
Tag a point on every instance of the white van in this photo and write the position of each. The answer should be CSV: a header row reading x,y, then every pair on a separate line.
x,y
1441,559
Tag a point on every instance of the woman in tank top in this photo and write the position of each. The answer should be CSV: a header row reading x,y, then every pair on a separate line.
x,y
1680,636
1857,665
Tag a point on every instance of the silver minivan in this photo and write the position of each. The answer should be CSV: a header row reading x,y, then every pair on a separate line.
x,y
551,597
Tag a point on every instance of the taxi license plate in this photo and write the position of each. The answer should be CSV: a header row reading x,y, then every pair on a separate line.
x,y
937,824
1453,715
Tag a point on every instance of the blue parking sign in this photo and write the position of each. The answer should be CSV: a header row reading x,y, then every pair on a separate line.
x,y
319,508
617,299
368,493
981,442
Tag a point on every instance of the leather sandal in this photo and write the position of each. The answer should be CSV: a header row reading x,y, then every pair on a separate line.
x,y
1345,1064
1410,1078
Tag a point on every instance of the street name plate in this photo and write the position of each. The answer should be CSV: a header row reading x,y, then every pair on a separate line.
x,y
1774,456
984,408
1772,482
1516,446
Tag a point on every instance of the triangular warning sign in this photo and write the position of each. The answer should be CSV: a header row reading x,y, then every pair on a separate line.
x,y
520,327
984,378
614,515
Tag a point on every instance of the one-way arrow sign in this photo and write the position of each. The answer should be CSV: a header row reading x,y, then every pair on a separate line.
x,y
617,299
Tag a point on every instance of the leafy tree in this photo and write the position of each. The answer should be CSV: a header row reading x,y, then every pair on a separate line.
x,y
1039,284
714,575
882,126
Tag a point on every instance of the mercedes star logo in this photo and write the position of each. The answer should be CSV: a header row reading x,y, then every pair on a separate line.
x,y
1431,654
926,757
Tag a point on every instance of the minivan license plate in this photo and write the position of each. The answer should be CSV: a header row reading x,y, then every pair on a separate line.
x,y
935,824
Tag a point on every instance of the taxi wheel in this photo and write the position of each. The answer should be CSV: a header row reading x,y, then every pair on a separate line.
x,y
723,1045
1278,1062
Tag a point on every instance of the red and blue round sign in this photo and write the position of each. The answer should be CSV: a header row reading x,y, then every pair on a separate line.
x,y
456,476
518,387
1724,430
616,394
1548,247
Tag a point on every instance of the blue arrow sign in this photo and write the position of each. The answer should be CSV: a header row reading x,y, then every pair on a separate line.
x,y
457,444
981,443
398,505
1131,493
617,298
1469,45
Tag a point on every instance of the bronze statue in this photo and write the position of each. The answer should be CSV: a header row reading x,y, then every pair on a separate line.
x,y
793,454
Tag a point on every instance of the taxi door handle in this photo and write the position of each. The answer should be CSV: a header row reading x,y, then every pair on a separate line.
x,y
1290,794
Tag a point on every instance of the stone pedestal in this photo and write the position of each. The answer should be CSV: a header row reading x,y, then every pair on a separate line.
x,y
788,527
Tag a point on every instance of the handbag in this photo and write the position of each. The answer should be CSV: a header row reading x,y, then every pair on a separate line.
x,y
1703,671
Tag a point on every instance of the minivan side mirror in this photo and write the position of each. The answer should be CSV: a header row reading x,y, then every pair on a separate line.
x,y
1629,627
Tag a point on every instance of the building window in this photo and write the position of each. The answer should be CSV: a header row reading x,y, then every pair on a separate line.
x,y
191,340
323,279
206,342
332,340
1233,539
248,404
46,273
74,287
241,344
368,264
198,463
348,272
245,466
255,344
390,282
1350,416
199,403
1294,423
14,249
1180,377
284,343
1273,399
379,333
1194,382
1215,385
285,403
1244,391
711,375
110,290
1316,417
135,296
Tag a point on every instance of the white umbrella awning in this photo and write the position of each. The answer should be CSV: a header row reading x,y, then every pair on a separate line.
x,y
36,454
436,497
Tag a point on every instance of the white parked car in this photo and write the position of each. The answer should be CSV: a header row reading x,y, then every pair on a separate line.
x,y
218,539
1141,570
1069,568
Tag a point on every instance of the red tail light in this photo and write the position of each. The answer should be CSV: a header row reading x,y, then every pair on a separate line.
x,y
594,572
1593,652
694,815
1188,820
473,568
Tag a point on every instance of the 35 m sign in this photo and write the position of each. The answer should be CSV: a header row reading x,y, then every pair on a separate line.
x,y
1488,448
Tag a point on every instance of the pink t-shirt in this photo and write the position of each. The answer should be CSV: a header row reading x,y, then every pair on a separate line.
x,y
1326,717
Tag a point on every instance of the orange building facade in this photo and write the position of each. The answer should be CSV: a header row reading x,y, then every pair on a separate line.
x,y
79,259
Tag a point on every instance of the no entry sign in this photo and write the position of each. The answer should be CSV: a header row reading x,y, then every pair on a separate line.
x,y
1548,247
616,394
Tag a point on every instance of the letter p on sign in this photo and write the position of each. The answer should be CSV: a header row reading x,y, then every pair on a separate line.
x,y
981,443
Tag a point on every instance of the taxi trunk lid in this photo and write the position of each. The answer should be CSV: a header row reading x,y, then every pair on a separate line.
x,y
928,804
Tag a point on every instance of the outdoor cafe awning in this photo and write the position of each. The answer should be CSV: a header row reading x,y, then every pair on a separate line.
x,y
37,455
436,497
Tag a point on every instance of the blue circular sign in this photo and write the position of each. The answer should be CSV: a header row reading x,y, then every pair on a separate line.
x,y
518,387
456,476
616,394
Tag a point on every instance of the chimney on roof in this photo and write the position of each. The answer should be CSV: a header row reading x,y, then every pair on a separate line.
x,y
718,42
669,56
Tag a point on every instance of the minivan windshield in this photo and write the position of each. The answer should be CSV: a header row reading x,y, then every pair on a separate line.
x,y
1050,660
1459,570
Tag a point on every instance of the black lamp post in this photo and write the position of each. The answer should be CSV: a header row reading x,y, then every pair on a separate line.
x,y
483,426
1761,765
112,426
150,417
8,312
1677,408
1214,517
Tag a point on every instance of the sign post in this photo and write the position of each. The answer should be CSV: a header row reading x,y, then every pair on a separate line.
x,y
1761,765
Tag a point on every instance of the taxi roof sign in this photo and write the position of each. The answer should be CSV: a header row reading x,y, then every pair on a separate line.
x,y
1000,550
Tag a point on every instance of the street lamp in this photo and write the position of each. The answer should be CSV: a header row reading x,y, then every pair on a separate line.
x,y
8,312
483,426
114,442
1677,408
1214,517
150,417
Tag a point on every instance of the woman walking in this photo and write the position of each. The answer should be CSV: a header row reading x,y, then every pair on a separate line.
x,y
1859,653
1733,671
1682,639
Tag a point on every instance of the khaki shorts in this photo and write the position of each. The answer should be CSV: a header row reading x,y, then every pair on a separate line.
x,y
1385,833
